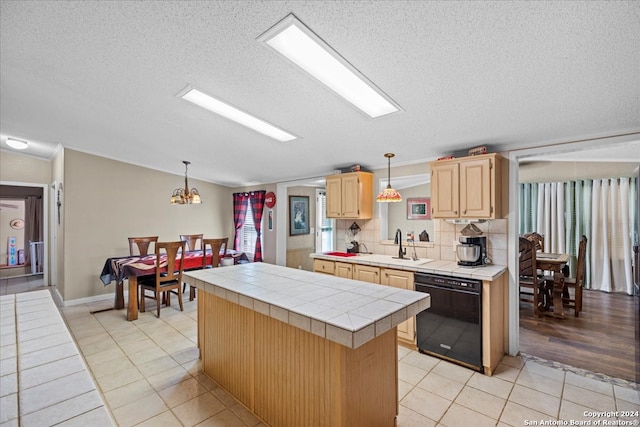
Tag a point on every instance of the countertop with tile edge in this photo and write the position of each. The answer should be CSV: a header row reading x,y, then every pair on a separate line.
x,y
345,311
446,268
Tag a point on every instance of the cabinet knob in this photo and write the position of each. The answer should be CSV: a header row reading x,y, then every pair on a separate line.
x,y
455,212
464,212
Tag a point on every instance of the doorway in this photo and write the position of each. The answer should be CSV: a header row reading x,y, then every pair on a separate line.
x,y
23,235
606,317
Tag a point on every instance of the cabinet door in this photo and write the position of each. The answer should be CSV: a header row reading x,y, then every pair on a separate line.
x,y
476,188
445,190
334,196
350,196
344,270
367,273
323,266
403,280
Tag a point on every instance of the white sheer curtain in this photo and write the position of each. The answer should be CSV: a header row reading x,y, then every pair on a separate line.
x,y
610,236
550,217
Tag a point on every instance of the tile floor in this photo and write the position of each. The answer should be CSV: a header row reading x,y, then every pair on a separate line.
x,y
148,374
17,284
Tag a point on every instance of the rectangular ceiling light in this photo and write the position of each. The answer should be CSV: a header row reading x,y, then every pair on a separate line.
x,y
232,113
296,42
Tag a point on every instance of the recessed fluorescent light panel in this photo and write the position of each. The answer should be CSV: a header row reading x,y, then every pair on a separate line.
x,y
232,113
296,42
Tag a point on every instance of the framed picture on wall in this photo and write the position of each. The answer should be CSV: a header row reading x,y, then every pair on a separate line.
x,y
298,215
419,208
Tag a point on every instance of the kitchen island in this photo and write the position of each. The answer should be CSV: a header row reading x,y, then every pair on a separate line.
x,y
298,348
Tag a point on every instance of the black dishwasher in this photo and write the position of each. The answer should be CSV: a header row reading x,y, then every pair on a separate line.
x,y
452,328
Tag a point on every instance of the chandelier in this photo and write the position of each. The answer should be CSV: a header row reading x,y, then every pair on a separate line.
x,y
389,194
184,196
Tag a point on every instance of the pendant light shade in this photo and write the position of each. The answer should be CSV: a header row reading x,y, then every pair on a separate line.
x,y
389,194
184,196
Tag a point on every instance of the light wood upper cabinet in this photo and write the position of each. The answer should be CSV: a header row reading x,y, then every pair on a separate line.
x,y
468,187
404,280
445,190
367,273
350,195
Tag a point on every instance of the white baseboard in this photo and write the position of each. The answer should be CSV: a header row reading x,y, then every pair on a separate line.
x,y
88,300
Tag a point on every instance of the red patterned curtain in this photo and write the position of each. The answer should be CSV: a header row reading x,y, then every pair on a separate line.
x,y
257,205
239,214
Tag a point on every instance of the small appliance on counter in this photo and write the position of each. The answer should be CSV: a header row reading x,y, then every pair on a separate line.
x,y
472,251
353,246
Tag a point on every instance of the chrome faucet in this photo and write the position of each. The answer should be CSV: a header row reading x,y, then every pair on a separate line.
x,y
398,241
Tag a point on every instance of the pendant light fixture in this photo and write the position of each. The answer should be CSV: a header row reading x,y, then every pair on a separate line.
x,y
184,196
389,194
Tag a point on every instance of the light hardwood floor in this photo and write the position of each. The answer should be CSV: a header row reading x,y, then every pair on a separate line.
x,y
602,339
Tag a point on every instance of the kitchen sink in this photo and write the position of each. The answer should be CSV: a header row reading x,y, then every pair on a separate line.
x,y
337,253
411,261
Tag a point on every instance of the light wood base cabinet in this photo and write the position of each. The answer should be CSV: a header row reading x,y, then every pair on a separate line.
x,y
367,273
493,322
324,266
344,270
382,276
290,377
404,280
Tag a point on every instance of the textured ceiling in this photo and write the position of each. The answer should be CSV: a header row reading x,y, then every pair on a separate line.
x,y
101,77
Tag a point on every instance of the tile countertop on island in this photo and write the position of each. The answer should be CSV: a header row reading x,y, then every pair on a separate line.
x,y
345,311
423,265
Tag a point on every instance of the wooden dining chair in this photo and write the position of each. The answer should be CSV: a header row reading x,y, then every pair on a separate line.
x,y
142,244
576,283
194,241
537,239
532,286
165,283
216,246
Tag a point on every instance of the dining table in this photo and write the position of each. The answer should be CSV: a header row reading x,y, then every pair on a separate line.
x,y
133,267
553,263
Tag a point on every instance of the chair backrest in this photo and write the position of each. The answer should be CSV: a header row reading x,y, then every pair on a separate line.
x,y
216,246
174,267
581,266
537,239
142,243
527,258
192,241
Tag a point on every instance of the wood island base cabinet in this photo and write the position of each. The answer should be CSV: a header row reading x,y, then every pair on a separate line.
x,y
287,376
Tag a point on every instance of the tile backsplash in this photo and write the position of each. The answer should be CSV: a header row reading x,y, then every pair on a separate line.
x,y
441,246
